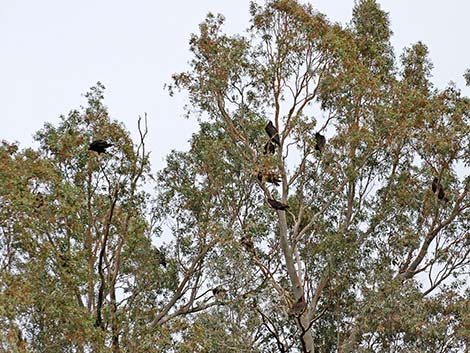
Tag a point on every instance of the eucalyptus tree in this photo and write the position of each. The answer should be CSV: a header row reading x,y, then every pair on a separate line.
x,y
343,225
80,269
366,257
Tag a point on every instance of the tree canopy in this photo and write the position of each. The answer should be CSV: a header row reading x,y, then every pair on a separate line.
x,y
323,205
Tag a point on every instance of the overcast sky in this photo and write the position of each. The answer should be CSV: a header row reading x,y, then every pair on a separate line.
x,y
53,51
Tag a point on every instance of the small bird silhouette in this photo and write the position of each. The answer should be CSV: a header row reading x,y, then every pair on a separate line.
x,y
273,133
437,187
321,141
99,146
277,205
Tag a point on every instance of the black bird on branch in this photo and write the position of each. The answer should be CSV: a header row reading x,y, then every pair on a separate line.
x,y
277,205
437,187
273,133
99,146
320,142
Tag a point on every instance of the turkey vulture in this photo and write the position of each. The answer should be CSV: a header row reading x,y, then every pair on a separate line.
x,y
277,205
99,146
273,133
437,187
321,141
269,147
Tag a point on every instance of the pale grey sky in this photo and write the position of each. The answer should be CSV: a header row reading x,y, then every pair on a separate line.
x,y
52,51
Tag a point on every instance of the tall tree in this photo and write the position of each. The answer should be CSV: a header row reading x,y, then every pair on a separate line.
x,y
360,245
365,242
79,268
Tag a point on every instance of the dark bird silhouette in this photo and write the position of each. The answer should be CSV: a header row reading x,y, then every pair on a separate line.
x,y
277,205
435,184
219,292
99,146
320,142
269,147
268,178
273,133
298,307
437,187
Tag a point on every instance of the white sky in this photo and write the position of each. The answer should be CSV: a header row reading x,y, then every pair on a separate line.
x,y
53,51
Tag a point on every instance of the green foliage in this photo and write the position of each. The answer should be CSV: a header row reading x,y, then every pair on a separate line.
x,y
367,258
363,222
67,211
467,77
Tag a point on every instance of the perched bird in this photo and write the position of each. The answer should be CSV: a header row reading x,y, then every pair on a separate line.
x,y
273,133
437,187
269,147
298,307
277,205
99,146
320,142
219,292
435,183
269,177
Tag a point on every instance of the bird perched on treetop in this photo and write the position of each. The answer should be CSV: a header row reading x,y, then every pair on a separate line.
x,y
273,133
99,146
277,205
437,186
321,141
